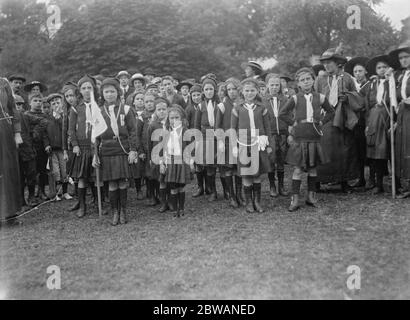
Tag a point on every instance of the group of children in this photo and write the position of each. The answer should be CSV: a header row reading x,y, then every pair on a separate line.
x,y
266,123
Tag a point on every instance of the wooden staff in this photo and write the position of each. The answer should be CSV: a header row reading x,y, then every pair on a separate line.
x,y
97,173
393,156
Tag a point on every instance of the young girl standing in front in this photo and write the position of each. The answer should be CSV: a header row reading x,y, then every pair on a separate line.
x,y
250,120
205,122
223,121
305,151
158,123
139,168
176,168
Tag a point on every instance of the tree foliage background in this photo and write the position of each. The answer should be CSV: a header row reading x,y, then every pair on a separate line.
x,y
187,38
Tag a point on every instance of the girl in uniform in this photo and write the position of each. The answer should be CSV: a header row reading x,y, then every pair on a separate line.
x,y
117,147
305,151
250,121
176,168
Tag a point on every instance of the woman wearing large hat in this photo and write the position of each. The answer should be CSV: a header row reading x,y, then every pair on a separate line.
x,y
252,69
401,61
10,137
337,141
35,87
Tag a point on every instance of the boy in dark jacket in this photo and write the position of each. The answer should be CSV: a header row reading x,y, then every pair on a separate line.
x,y
27,153
40,140
57,147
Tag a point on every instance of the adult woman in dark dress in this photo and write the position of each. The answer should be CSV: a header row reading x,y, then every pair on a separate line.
x,y
10,191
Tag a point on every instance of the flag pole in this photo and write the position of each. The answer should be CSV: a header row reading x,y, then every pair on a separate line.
x,y
393,108
97,173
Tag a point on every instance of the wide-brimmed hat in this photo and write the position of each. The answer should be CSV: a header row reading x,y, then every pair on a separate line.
x,y
361,61
371,65
254,65
333,54
33,84
17,77
184,83
138,76
53,96
123,73
394,55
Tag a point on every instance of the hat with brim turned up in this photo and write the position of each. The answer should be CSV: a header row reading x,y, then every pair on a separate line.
x,y
394,55
357,61
333,54
254,65
184,83
371,65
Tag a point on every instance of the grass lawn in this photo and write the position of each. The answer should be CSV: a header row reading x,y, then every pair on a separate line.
x,y
214,252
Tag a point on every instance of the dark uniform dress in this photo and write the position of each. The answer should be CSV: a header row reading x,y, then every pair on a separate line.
x,y
306,151
138,169
155,142
113,148
223,122
10,191
338,143
280,132
378,123
252,162
402,141
208,146
80,136
177,172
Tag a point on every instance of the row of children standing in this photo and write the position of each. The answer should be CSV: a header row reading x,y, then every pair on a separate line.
x,y
315,140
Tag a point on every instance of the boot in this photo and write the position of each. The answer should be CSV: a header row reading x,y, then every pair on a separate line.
x,y
114,201
123,206
150,193
311,198
155,190
273,192
173,204
257,197
371,183
294,205
82,211
239,197
208,183
163,200
94,194
200,179
212,185
224,188
181,203
232,198
281,186
379,182
248,199
76,205
345,187
140,196
31,201
102,192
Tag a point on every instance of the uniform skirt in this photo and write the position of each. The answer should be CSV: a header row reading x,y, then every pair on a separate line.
x,y
306,155
177,172
252,162
82,165
116,168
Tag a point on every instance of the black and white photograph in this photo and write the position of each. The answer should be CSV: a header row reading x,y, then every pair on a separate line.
x,y
204,151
